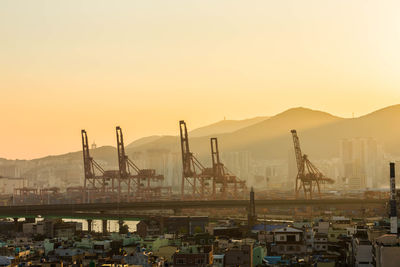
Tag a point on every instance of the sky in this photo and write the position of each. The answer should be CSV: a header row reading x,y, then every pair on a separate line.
x,y
144,65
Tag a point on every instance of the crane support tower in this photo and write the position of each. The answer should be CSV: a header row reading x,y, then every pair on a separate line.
x,y
196,179
308,178
134,182
95,179
229,185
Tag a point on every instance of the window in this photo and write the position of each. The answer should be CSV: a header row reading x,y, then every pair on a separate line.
x,y
281,238
199,261
180,261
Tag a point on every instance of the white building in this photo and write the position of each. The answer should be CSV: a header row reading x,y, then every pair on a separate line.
x,y
362,249
386,251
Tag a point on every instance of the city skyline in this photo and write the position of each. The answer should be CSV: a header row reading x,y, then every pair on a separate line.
x,y
188,133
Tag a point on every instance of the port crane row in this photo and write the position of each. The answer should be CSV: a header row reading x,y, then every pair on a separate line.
x,y
132,183
198,182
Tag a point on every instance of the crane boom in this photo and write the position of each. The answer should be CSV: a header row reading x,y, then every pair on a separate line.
x,y
297,150
123,168
308,176
186,154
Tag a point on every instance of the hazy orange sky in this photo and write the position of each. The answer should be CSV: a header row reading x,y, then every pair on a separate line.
x,y
143,65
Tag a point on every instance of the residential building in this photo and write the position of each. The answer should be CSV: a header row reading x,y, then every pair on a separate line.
x,y
194,256
289,241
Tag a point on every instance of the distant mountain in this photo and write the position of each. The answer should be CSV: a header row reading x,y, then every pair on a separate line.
x,y
320,134
142,141
381,125
225,126
264,138
259,138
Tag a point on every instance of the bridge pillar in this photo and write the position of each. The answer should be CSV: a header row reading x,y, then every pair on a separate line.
x,y
104,226
121,225
89,225
16,225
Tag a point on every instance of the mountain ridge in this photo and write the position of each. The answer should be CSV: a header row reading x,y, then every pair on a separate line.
x,y
319,119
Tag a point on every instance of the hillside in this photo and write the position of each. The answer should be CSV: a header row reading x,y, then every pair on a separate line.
x,y
225,126
220,127
142,141
258,138
320,134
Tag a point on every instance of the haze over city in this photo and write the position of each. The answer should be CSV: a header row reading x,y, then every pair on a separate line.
x,y
145,65
199,133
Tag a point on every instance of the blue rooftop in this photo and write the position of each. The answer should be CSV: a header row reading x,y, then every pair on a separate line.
x,y
268,227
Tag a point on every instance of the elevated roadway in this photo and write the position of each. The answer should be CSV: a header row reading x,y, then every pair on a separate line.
x,y
141,209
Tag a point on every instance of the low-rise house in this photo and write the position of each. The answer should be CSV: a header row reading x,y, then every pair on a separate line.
x,y
102,247
140,259
21,241
218,260
362,249
259,253
239,255
340,222
322,227
201,239
5,261
308,238
230,231
335,233
66,230
69,254
320,242
166,252
289,241
186,224
84,243
154,243
194,256
148,228
386,251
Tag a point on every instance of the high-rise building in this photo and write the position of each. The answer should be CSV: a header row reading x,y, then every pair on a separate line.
x,y
362,160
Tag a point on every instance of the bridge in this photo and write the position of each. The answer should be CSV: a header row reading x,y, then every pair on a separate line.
x,y
137,210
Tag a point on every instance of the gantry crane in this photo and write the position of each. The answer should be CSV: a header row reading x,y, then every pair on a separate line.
x,y
308,176
95,180
196,179
137,181
229,185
